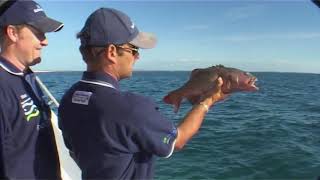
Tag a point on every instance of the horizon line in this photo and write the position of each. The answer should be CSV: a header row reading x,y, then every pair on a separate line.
x,y
143,70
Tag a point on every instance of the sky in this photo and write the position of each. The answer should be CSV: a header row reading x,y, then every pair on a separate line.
x,y
267,36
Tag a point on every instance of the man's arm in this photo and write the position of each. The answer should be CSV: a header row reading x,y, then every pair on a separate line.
x,y
191,123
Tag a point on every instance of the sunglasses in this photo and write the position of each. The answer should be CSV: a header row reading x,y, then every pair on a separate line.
x,y
133,50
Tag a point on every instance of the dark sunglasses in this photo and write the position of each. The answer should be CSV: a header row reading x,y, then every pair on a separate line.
x,y
40,35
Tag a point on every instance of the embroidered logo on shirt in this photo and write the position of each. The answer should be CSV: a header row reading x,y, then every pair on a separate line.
x,y
81,97
166,139
29,108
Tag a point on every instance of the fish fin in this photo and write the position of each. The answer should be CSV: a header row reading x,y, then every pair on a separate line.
x,y
176,108
175,101
166,99
177,105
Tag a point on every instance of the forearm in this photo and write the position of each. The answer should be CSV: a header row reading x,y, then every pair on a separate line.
x,y
191,123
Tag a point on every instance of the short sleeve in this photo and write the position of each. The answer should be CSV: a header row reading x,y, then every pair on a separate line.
x,y
153,132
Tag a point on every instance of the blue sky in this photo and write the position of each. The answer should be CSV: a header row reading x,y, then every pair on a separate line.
x,y
280,36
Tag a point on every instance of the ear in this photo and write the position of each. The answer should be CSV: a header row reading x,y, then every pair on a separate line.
x,y
111,53
12,33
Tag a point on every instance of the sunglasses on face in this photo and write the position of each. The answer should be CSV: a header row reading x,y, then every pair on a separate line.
x,y
133,50
40,35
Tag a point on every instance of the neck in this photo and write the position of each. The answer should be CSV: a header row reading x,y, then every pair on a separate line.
x,y
107,69
10,55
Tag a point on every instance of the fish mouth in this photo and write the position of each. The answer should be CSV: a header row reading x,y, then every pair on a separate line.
x,y
252,82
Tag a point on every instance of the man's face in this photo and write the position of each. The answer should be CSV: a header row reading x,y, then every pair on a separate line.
x,y
126,61
29,44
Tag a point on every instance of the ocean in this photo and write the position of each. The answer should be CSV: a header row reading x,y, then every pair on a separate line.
x,y
270,134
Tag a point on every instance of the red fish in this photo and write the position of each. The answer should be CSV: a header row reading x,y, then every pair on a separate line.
x,y
203,80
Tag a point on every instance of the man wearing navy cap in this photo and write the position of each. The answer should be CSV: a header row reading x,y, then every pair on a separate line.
x,y
27,145
113,134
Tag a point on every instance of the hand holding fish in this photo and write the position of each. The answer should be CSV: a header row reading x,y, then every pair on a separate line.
x,y
213,95
192,121
204,88
202,81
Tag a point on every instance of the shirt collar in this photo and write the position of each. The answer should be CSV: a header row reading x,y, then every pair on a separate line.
x,y
10,68
100,77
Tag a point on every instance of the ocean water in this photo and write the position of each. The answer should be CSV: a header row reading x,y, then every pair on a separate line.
x,y
270,134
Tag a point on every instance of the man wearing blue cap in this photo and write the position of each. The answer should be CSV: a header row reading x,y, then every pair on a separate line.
x,y
113,134
27,145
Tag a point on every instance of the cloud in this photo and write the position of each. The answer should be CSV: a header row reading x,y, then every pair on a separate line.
x,y
187,60
302,35
196,27
281,36
244,12
251,65
187,63
275,65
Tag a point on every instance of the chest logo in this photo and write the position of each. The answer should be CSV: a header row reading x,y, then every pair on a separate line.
x,y
30,109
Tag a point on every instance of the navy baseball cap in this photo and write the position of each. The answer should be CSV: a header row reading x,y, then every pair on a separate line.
x,y
31,13
110,26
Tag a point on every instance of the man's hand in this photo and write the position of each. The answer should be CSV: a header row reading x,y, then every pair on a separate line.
x,y
215,94
194,118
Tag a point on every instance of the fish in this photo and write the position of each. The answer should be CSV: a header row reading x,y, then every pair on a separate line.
x,y
202,81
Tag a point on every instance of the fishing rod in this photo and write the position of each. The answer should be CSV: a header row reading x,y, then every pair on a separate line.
x,y
45,89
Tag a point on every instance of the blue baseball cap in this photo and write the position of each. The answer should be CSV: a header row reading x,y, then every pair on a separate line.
x,y
110,26
30,13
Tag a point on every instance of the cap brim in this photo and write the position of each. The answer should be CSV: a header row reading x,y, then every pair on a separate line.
x,y
47,24
144,40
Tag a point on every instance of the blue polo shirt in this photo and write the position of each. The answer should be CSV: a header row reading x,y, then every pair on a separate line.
x,y
27,144
113,134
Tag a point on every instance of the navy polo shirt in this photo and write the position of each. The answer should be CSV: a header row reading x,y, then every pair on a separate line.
x,y
27,144
113,134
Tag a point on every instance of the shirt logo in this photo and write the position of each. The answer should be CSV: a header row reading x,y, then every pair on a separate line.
x,y
38,9
172,134
30,109
81,97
